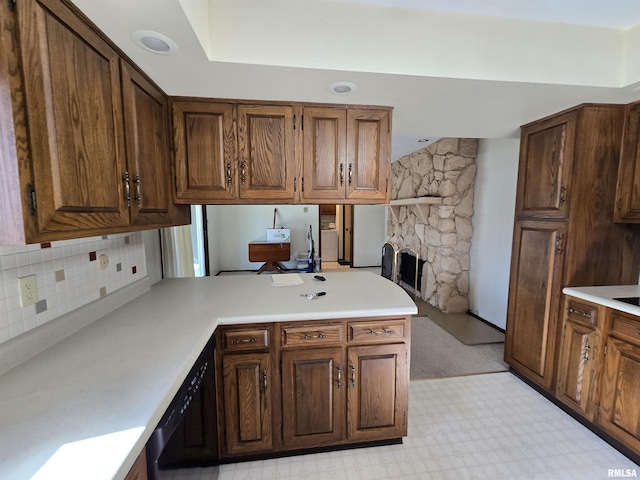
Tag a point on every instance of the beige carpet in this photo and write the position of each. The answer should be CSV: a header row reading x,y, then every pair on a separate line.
x,y
435,353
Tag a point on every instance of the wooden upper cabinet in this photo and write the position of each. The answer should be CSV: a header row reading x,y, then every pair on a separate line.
x,y
324,153
627,208
546,160
534,299
266,152
73,99
205,146
148,152
368,155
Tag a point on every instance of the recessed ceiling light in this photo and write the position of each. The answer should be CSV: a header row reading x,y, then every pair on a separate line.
x,y
343,88
154,42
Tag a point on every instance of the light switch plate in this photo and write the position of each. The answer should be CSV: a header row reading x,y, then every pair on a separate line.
x,y
28,287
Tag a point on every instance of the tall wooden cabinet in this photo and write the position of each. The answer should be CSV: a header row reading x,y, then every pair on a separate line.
x,y
91,151
628,189
564,233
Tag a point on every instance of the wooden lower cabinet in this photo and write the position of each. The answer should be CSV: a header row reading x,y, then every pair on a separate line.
x,y
599,368
313,397
378,389
303,385
580,355
620,389
248,402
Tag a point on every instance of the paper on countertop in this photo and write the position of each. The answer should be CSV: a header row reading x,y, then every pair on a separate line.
x,y
287,280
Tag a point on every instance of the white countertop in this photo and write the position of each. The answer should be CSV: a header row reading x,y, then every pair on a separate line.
x,y
84,408
605,296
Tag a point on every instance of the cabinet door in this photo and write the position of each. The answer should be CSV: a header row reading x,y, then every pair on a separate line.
x,y
620,393
628,190
377,398
313,397
205,145
368,155
73,97
248,402
534,299
546,159
139,468
577,367
324,154
266,152
147,146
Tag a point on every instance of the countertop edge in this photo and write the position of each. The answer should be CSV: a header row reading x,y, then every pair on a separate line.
x,y
604,295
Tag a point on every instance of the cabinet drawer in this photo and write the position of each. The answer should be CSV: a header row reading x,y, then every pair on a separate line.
x,y
377,332
245,340
626,326
581,312
311,335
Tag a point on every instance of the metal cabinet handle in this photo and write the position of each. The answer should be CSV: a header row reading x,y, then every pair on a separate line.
x,y
308,337
587,347
384,331
558,243
341,174
228,173
127,188
243,172
138,192
245,340
350,174
563,191
264,387
339,376
353,375
579,312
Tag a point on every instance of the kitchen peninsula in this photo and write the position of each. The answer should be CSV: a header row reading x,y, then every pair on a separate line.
x,y
85,407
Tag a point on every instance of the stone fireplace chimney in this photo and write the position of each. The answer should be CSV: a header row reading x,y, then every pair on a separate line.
x,y
444,169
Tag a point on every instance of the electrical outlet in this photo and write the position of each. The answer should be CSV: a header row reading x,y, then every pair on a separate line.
x,y
103,261
28,287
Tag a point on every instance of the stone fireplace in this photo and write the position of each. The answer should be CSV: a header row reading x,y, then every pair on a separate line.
x,y
445,170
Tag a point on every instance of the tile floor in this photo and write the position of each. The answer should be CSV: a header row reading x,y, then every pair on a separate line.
x,y
490,426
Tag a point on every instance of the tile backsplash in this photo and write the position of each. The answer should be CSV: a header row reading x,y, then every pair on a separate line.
x,y
68,274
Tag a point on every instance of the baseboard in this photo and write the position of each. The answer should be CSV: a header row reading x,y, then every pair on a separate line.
x,y
478,317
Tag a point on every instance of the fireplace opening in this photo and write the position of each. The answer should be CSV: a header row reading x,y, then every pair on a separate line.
x,y
407,270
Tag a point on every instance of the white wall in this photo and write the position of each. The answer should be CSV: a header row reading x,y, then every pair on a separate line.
x,y
369,234
213,233
494,206
234,226
153,255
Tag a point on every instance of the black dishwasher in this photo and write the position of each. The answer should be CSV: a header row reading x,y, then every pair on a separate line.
x,y
186,436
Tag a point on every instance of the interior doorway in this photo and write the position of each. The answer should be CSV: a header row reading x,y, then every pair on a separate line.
x,y
336,233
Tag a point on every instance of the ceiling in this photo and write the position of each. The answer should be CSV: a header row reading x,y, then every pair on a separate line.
x,y
460,68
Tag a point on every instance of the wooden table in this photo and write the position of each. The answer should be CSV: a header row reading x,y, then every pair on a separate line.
x,y
271,254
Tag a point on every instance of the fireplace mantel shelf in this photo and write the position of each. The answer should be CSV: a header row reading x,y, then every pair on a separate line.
x,y
422,205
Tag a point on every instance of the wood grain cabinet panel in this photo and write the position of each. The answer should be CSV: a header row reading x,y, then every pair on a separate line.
x,y
206,151
248,402
139,469
313,397
266,152
73,100
378,392
620,392
628,189
146,121
368,155
532,316
578,367
546,160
